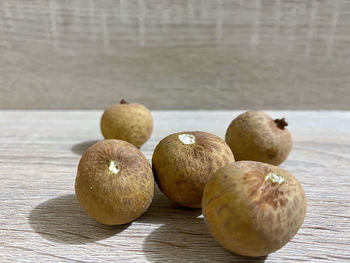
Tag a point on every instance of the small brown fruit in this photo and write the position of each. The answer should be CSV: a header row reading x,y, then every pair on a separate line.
x,y
183,162
129,122
114,183
253,208
254,136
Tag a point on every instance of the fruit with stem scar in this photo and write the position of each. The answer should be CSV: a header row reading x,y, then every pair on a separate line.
x,y
253,208
131,122
114,182
255,136
183,163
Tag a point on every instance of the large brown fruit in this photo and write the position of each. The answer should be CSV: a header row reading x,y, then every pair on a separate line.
x,y
253,208
183,163
254,136
129,122
114,183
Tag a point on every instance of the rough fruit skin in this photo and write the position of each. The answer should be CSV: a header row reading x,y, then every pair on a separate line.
x,y
255,136
182,170
248,215
128,122
110,198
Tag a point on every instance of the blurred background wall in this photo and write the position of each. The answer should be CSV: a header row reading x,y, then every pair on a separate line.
x,y
175,54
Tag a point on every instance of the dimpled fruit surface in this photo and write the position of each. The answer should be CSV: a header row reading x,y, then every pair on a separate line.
x,y
253,208
114,182
255,136
183,163
131,122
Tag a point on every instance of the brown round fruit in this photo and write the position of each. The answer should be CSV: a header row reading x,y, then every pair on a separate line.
x,y
183,162
253,208
129,122
114,183
254,136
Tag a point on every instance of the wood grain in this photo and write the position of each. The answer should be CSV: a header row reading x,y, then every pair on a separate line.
x,y
183,54
40,220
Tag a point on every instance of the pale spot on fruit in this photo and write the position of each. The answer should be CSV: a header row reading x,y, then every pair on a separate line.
x,y
113,167
187,138
273,178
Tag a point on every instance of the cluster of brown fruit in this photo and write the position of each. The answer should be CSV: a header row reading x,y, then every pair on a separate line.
x,y
251,206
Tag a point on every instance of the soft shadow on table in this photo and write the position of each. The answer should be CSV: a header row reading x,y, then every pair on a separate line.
x,y
81,147
162,210
182,236
62,220
188,241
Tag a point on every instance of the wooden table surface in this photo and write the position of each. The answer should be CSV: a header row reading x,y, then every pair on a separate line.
x,y
40,220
